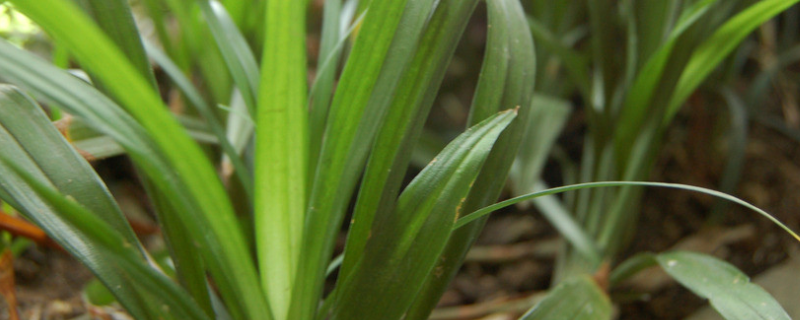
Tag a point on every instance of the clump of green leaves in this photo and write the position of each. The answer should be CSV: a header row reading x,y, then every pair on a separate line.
x,y
282,159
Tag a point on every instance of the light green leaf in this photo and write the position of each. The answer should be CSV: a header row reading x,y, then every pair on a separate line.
x,y
729,290
281,158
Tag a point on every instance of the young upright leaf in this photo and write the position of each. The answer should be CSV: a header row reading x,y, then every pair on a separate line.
x,y
729,290
405,246
281,152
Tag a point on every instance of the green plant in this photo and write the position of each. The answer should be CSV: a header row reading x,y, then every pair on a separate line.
x,y
251,216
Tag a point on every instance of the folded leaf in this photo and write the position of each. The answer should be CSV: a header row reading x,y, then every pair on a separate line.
x,y
405,246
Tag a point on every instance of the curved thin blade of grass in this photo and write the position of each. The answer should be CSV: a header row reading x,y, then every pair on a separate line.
x,y
410,105
506,81
115,18
729,290
144,291
235,51
714,49
357,111
196,99
605,184
186,175
281,158
577,298
26,123
405,246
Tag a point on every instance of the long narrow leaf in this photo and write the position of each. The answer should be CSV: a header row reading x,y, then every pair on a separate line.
x,y
604,184
281,152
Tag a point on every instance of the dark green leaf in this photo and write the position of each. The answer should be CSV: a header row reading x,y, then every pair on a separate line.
x,y
359,106
410,105
506,81
405,246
